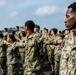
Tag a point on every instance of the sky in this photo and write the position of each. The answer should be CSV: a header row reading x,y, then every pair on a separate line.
x,y
46,13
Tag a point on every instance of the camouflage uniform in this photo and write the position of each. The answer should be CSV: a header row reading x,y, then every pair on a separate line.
x,y
22,55
5,35
72,62
38,36
32,63
22,50
3,47
43,39
51,43
55,39
48,50
17,35
68,56
57,55
13,59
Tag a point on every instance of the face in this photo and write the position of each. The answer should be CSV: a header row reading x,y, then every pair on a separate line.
x,y
66,32
70,20
17,29
52,32
45,31
4,30
9,39
35,29
58,33
25,29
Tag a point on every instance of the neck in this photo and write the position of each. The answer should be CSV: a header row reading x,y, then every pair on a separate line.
x,y
29,33
74,27
37,32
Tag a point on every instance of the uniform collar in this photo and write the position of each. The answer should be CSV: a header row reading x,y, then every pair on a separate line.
x,y
32,35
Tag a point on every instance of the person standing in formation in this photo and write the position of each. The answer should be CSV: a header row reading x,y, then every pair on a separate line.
x,y
12,56
68,54
32,63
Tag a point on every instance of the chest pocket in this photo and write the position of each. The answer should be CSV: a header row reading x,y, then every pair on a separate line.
x,y
31,43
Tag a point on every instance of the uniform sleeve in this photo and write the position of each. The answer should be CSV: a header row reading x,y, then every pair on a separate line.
x,y
19,44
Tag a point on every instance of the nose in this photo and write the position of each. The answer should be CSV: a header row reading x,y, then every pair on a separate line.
x,y
65,21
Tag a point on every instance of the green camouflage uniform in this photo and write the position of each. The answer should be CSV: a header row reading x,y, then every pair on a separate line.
x,y
72,62
5,35
51,49
22,50
38,36
3,47
43,39
48,50
57,55
68,56
13,59
47,43
17,35
32,64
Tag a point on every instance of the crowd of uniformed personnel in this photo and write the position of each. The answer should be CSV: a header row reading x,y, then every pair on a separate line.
x,y
25,50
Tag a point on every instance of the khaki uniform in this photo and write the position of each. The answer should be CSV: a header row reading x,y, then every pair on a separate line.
x,y
32,64
13,59
3,47
68,56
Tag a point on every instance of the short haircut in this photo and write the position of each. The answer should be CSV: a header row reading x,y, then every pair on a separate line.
x,y
46,30
17,27
13,32
30,24
6,29
73,6
67,29
37,26
23,33
55,30
12,37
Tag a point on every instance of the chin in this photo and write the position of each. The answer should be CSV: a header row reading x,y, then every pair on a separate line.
x,y
67,27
